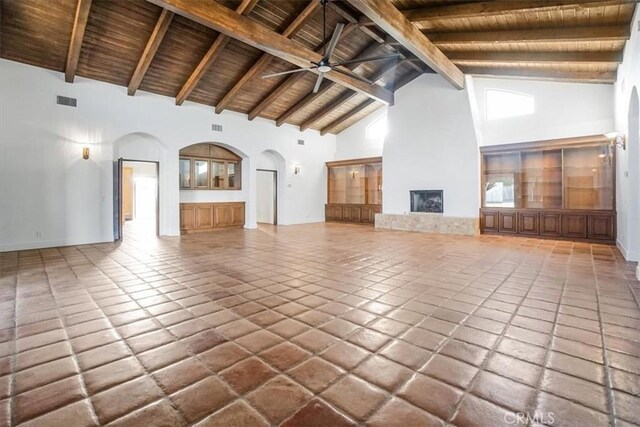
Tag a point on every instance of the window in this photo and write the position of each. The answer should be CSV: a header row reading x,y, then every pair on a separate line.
x,y
377,129
501,104
209,167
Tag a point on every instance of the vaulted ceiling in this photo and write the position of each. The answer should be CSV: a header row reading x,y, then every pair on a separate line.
x,y
214,52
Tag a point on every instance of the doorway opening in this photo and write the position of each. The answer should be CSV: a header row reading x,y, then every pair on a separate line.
x,y
633,145
267,196
138,199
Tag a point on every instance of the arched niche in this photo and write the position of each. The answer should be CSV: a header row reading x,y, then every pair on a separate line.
x,y
209,166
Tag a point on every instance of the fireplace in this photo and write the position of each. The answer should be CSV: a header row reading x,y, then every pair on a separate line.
x,y
427,201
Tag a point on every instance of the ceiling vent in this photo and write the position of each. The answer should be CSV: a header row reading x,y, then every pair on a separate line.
x,y
65,100
301,142
216,128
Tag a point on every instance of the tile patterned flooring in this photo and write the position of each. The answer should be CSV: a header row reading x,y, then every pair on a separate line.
x,y
319,325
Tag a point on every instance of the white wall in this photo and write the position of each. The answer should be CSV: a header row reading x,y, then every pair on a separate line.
x,y
353,142
562,110
50,196
628,165
431,145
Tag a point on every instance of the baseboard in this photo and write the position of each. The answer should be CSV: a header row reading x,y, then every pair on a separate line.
x,y
627,254
39,244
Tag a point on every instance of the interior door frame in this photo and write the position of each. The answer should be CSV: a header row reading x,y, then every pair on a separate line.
x,y
121,162
275,192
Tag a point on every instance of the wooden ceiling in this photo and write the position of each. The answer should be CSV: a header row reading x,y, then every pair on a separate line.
x,y
214,52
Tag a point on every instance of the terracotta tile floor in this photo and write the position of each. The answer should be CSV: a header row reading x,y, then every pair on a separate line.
x,y
327,325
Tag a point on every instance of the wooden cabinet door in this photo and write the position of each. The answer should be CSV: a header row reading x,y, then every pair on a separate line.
x,y
574,225
222,216
550,224
187,217
352,214
508,222
489,220
601,227
369,214
204,216
528,223
237,214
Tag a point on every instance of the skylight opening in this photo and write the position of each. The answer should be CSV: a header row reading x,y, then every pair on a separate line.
x,y
502,104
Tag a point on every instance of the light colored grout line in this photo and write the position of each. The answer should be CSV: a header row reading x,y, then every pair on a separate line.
x,y
125,343
14,346
605,356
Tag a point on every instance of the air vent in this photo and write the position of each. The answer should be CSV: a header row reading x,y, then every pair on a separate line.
x,y
216,128
65,100
301,142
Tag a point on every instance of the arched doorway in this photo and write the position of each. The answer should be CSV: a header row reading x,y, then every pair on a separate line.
x,y
633,135
137,157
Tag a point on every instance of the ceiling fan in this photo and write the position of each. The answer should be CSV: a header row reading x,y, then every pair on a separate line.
x,y
325,65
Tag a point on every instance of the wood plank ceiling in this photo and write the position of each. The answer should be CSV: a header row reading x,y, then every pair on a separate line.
x,y
140,45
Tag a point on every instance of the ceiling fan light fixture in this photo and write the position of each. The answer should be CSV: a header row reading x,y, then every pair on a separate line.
x,y
324,68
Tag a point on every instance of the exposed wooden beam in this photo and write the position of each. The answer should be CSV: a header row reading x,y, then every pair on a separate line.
x,y
546,35
261,63
502,8
150,51
291,80
475,57
330,128
308,99
534,74
218,17
300,105
355,19
391,20
387,68
212,54
77,34
327,109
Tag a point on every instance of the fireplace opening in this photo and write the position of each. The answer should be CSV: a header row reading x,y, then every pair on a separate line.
x,y
427,201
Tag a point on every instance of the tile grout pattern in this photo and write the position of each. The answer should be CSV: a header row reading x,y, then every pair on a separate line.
x,y
322,324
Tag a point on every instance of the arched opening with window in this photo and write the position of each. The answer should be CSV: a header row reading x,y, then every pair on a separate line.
x,y
207,166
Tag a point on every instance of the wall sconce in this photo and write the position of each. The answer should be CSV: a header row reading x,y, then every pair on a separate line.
x,y
619,142
297,169
85,153
354,174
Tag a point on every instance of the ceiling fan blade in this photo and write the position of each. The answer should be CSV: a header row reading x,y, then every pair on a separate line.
x,y
297,70
334,40
371,58
354,75
318,81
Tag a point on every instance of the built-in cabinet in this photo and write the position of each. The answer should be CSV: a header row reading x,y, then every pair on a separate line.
x,y
203,217
558,189
354,190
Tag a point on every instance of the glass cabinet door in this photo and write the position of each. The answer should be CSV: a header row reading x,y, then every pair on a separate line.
x,y
356,184
541,179
231,174
185,173
201,173
373,184
338,184
217,174
501,180
588,177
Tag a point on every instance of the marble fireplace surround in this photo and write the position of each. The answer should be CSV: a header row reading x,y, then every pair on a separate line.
x,y
428,223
